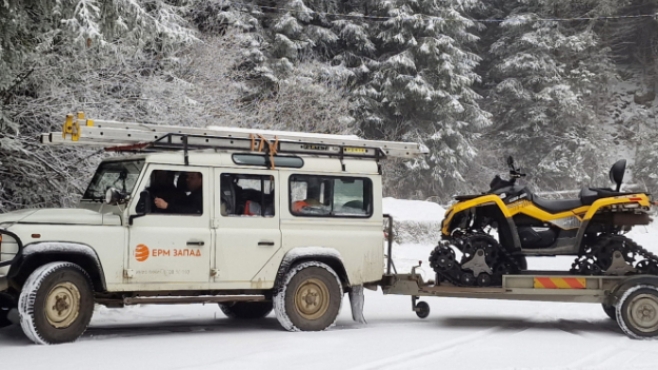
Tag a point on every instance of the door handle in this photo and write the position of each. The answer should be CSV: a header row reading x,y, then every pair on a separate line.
x,y
266,242
197,243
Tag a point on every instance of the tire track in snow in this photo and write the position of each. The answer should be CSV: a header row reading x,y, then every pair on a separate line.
x,y
426,351
606,353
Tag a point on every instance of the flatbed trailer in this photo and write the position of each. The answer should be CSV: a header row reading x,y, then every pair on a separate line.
x,y
631,300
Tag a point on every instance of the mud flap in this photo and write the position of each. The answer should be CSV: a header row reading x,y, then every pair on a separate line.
x,y
356,301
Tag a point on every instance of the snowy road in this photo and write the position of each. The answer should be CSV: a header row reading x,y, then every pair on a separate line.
x,y
459,334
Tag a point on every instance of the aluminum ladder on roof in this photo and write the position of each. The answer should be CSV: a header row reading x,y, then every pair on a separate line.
x,y
113,135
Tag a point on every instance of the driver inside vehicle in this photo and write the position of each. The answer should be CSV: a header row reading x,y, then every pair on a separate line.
x,y
162,186
189,204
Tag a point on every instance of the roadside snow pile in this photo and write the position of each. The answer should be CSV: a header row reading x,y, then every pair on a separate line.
x,y
414,221
646,236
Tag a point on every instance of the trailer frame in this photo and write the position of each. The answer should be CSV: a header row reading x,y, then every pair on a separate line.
x,y
632,300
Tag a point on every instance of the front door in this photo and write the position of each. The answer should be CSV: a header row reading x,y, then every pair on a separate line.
x,y
173,243
248,223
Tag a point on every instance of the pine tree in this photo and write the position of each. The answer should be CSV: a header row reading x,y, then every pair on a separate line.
x,y
424,88
57,57
543,77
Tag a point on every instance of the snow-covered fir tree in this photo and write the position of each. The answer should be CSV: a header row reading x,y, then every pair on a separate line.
x,y
58,57
424,88
543,80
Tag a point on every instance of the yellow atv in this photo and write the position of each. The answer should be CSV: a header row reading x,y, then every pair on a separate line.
x,y
494,231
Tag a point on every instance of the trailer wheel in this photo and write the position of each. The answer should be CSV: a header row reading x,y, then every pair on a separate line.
x,y
56,303
309,299
422,309
610,310
637,312
246,310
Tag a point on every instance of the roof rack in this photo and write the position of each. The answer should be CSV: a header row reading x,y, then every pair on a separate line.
x,y
126,136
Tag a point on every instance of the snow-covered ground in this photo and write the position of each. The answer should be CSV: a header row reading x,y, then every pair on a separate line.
x,y
458,334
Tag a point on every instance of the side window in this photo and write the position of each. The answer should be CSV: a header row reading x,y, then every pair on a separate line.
x,y
327,196
175,192
246,195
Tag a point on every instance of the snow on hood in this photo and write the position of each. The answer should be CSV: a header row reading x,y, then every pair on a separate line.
x,y
59,216
16,216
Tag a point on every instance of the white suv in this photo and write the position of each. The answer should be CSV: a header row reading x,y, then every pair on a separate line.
x,y
250,231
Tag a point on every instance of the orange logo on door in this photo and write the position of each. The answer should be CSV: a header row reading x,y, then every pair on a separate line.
x,y
141,253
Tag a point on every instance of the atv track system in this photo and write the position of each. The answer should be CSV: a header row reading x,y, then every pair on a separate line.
x,y
484,261
615,255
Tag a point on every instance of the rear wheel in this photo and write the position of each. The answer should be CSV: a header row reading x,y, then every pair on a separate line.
x,y
246,310
56,303
637,312
310,298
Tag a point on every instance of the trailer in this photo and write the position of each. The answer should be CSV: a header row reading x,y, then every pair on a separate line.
x,y
631,300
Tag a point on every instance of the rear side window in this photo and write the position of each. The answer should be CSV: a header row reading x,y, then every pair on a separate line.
x,y
246,195
329,196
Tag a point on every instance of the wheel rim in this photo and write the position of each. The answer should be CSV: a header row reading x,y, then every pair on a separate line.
x,y
312,299
643,313
62,305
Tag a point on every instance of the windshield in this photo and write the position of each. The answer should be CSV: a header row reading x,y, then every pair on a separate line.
x,y
121,175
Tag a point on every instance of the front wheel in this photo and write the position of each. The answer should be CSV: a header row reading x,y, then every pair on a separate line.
x,y
56,303
310,298
246,310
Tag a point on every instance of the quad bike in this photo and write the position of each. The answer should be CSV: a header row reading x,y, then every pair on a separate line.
x,y
496,230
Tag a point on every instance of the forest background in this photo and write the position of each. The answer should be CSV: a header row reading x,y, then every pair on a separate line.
x,y
565,86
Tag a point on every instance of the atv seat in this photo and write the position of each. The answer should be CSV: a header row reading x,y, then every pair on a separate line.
x,y
556,205
591,195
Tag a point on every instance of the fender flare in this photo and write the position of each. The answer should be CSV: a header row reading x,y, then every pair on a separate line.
x,y
618,291
329,256
31,251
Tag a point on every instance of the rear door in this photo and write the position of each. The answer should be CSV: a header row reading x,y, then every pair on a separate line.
x,y
248,232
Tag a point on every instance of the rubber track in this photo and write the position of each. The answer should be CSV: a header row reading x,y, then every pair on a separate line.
x,y
454,275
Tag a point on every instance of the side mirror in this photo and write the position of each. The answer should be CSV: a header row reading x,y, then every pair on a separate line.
x,y
617,172
114,197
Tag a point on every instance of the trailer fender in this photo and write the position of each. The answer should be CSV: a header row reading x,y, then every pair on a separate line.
x,y
621,288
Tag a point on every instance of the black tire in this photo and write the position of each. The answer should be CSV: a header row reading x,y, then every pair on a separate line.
x,y
310,298
610,310
246,310
4,319
637,312
56,303
422,309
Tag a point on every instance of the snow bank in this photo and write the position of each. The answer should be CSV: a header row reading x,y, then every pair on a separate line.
x,y
414,221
